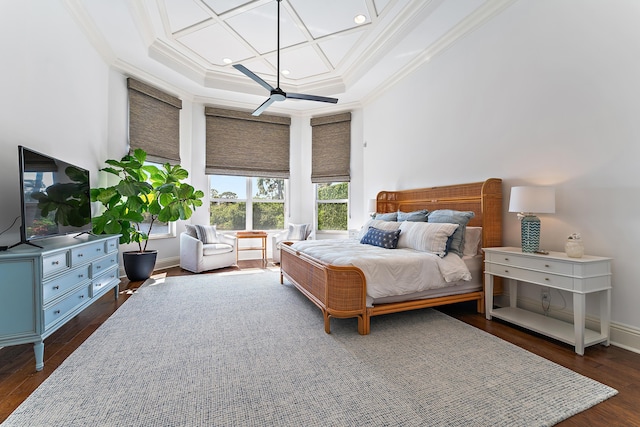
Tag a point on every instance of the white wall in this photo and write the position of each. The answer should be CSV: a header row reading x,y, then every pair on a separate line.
x,y
53,101
547,93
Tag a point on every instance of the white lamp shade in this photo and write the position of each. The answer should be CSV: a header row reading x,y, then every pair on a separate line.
x,y
533,200
372,205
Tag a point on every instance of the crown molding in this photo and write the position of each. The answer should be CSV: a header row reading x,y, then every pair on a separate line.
x,y
88,26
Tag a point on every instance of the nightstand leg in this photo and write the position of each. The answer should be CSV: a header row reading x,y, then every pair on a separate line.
x,y
513,293
578,321
488,295
605,315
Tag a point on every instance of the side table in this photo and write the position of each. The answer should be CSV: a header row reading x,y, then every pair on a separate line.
x,y
262,235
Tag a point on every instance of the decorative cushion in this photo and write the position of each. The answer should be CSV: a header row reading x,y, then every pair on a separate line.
x,y
216,249
191,230
472,238
297,232
456,245
379,224
207,233
382,238
391,216
426,237
415,216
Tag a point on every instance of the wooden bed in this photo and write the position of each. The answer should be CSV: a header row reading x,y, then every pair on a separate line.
x,y
341,291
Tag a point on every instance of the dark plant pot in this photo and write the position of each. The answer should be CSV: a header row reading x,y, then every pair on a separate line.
x,y
139,265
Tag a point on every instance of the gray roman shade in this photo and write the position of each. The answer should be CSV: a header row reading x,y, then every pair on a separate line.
x,y
154,122
331,148
243,145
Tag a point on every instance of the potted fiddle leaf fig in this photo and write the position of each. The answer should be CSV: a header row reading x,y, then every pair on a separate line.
x,y
144,192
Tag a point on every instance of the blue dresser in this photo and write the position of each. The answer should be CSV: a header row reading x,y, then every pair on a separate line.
x,y
43,288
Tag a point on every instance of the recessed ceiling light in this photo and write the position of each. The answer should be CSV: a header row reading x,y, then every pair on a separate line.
x,y
359,19
227,60
286,72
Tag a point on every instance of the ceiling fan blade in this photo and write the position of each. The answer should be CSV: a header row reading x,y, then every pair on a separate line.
x,y
244,70
263,107
311,97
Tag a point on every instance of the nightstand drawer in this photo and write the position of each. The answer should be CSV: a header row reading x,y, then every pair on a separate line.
x,y
537,263
541,278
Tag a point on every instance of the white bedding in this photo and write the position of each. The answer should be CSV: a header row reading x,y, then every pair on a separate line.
x,y
389,272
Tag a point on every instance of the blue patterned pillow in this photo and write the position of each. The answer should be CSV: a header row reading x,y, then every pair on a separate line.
x,y
382,238
456,241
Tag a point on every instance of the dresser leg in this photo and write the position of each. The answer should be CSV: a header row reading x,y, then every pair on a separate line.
x,y
38,350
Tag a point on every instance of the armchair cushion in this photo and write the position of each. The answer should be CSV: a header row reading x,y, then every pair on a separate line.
x,y
207,233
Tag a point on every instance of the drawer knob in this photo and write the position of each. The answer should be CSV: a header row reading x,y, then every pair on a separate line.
x,y
98,267
81,275
80,255
506,271
506,259
55,288
56,312
547,279
81,296
547,265
55,263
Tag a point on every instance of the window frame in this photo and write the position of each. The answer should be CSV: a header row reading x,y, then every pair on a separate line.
x,y
331,201
250,200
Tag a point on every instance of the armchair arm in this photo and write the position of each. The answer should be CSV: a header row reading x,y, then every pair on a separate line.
x,y
228,239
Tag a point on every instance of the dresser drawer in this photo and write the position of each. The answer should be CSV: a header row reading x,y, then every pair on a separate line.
x,y
537,263
531,276
102,281
103,264
111,245
60,285
60,309
87,253
54,263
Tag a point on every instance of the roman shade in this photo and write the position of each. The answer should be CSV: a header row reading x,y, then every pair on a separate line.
x,y
331,148
244,145
154,122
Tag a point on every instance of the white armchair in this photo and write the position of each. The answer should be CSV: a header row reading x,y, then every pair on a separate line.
x,y
296,232
196,256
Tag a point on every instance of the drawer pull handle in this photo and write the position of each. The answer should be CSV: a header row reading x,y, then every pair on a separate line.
x,y
56,312
55,288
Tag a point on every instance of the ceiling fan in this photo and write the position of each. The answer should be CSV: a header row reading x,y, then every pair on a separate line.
x,y
278,94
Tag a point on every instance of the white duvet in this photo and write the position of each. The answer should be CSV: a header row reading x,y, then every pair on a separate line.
x,y
389,272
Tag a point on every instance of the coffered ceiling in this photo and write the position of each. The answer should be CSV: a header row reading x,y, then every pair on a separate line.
x,y
349,49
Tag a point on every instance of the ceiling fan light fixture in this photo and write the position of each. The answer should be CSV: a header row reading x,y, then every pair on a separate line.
x,y
277,94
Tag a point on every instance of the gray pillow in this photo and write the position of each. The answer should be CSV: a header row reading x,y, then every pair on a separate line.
x,y
391,216
456,241
415,216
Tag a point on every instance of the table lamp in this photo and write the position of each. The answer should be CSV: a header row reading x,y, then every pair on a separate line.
x,y
527,201
372,208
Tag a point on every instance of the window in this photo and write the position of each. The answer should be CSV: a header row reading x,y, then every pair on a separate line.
x,y
332,205
247,203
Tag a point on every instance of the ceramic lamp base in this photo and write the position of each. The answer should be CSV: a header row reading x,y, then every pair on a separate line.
x,y
530,233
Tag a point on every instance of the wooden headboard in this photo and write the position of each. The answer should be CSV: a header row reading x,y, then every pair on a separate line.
x,y
482,198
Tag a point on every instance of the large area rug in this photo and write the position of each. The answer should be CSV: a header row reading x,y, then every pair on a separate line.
x,y
241,349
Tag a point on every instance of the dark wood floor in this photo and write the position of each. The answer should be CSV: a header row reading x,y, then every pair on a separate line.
x,y
613,366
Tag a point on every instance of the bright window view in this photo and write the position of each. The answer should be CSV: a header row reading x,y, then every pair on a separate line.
x,y
332,201
244,203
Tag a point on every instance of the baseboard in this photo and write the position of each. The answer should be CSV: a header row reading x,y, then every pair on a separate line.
x,y
622,336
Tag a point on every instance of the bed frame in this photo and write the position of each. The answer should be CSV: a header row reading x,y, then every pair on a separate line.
x,y
340,291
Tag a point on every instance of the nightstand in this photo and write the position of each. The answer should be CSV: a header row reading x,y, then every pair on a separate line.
x,y
580,276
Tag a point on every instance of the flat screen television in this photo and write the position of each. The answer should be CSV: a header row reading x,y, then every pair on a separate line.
x,y
55,196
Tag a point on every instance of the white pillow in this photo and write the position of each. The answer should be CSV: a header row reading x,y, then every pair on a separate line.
x,y
380,225
472,240
426,236
207,233
297,232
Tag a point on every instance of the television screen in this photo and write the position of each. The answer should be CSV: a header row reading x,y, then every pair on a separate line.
x,y
55,196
